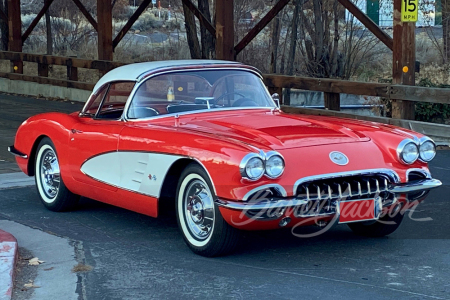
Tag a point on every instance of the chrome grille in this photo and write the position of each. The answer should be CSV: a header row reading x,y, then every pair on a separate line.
x,y
323,195
343,187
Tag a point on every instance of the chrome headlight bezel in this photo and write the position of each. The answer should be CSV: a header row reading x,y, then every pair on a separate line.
x,y
270,155
423,141
244,163
264,157
400,151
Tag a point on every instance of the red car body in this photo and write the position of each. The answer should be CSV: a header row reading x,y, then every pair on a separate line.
x,y
218,140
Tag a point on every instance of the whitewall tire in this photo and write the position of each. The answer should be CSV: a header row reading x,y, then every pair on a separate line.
x,y
203,228
53,193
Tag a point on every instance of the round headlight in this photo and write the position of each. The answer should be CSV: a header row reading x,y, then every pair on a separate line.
x,y
408,151
274,166
252,167
427,151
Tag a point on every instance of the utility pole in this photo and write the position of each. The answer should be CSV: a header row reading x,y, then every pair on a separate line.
x,y
404,54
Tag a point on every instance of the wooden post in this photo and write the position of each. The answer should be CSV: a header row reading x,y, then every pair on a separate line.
x,y
404,58
104,20
332,101
72,72
225,30
15,33
42,70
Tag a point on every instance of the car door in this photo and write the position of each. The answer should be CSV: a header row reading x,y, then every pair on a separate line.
x,y
94,138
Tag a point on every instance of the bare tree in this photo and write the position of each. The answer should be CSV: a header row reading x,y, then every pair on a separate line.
x,y
319,27
275,42
446,28
208,41
191,33
48,26
4,26
298,4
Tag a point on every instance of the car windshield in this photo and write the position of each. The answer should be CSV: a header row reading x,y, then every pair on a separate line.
x,y
186,91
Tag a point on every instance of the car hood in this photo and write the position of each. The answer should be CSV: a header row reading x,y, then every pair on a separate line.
x,y
274,130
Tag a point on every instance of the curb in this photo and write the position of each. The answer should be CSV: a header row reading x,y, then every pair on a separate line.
x,y
8,258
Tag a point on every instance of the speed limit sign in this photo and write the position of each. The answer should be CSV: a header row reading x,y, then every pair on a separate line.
x,y
410,10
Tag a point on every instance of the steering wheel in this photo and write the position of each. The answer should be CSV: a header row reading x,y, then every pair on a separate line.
x,y
244,102
227,94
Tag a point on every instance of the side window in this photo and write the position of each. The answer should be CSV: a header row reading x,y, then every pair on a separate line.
x,y
115,100
94,102
165,94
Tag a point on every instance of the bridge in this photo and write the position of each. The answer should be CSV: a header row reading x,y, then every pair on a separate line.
x,y
401,93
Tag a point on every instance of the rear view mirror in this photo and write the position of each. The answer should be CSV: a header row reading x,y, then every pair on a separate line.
x,y
276,99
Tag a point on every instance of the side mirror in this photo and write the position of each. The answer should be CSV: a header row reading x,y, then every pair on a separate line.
x,y
276,99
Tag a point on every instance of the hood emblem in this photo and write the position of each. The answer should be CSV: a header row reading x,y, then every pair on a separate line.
x,y
338,158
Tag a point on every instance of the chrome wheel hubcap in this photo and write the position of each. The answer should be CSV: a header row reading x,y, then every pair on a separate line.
x,y
199,209
49,173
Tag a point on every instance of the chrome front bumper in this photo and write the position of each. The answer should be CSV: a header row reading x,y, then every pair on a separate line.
x,y
415,186
396,189
16,152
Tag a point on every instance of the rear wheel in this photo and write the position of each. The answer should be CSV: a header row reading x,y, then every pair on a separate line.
x,y
54,194
204,230
384,226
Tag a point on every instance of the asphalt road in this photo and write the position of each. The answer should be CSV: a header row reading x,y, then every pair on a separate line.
x,y
139,257
16,109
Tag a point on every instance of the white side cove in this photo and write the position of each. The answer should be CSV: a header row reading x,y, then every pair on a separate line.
x,y
139,172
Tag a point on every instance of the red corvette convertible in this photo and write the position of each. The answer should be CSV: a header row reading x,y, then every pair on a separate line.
x,y
207,137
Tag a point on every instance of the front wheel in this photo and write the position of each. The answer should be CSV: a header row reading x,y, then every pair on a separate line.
x,y
54,194
204,230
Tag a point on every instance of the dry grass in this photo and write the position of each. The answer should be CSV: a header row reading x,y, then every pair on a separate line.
x,y
81,268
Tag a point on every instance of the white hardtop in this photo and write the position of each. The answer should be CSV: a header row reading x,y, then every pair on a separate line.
x,y
132,72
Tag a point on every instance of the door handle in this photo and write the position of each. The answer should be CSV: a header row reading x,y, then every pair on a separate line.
x,y
76,131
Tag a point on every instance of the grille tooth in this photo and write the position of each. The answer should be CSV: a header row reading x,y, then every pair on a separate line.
x,y
329,191
347,188
318,193
307,193
359,188
386,184
378,186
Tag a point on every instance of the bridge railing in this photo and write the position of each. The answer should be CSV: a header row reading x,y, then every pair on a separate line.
x,y
44,61
332,88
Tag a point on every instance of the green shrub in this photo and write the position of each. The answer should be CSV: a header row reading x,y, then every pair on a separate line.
x,y
146,22
432,112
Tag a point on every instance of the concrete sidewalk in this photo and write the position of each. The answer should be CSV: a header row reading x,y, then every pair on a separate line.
x,y
8,259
